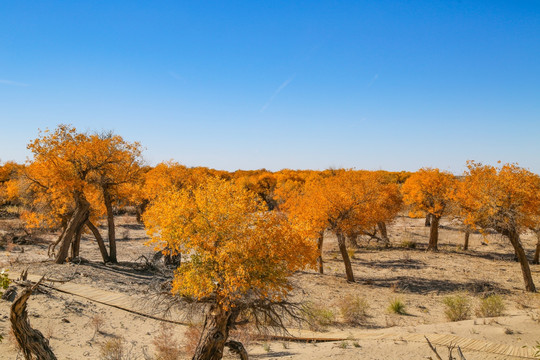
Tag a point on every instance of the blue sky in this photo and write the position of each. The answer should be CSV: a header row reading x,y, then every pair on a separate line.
x,y
394,85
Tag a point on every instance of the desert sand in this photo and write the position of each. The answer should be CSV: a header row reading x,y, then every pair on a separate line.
x,y
77,327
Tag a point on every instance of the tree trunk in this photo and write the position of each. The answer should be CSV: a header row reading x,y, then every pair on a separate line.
x,y
384,233
523,261
214,334
345,255
140,210
99,240
319,250
31,341
76,244
434,233
110,225
536,259
466,242
175,260
75,223
428,220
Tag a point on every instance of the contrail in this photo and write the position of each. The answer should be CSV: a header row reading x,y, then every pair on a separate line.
x,y
278,90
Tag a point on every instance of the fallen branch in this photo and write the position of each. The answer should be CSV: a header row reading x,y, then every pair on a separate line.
x,y
31,341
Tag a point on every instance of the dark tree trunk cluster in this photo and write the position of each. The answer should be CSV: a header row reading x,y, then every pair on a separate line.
x,y
73,229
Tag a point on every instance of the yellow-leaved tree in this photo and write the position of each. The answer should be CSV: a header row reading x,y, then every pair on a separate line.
x,y
241,254
72,181
430,191
506,199
343,202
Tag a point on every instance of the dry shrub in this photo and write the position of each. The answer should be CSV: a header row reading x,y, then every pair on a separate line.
x,y
166,345
408,244
457,308
353,309
97,321
318,316
191,338
491,306
115,349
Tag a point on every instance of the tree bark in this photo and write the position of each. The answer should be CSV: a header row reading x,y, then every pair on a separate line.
x,y
214,334
384,233
110,224
319,250
99,240
31,341
345,255
466,242
523,261
76,244
175,260
536,259
427,223
140,210
75,223
434,233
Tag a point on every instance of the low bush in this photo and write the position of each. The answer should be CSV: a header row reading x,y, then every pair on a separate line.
x,y
318,317
165,344
457,308
408,244
491,306
353,309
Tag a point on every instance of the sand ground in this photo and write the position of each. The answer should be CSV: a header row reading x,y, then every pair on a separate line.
x,y
419,279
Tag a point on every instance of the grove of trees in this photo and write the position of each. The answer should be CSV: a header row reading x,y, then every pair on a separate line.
x,y
245,233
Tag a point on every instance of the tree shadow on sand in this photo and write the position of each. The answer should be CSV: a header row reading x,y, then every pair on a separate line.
x,y
421,286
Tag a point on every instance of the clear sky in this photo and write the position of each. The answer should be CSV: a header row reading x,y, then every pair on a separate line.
x,y
394,85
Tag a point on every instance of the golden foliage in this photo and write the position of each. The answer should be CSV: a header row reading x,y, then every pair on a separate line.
x,y
67,164
344,201
429,190
505,198
238,248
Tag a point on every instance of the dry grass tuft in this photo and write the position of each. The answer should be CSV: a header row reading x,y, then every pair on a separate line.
x,y
191,339
318,316
353,309
166,345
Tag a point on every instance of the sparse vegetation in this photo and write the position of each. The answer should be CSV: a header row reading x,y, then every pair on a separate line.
x,y
191,338
4,280
397,307
165,344
115,349
408,244
457,307
353,309
491,306
97,321
318,316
